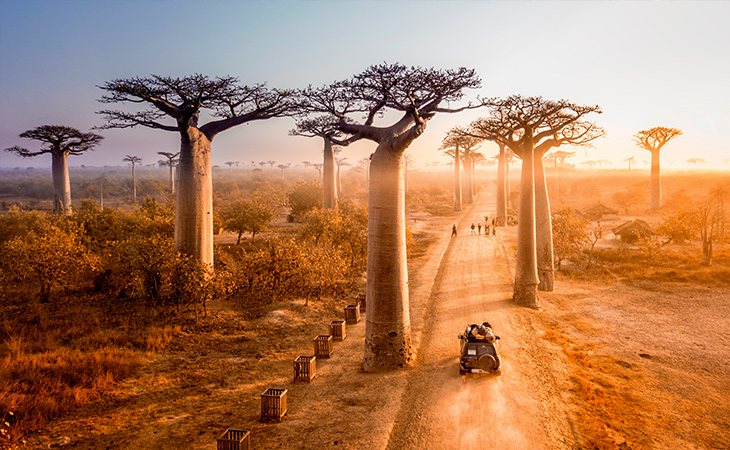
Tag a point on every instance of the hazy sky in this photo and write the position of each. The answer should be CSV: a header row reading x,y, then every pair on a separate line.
x,y
645,63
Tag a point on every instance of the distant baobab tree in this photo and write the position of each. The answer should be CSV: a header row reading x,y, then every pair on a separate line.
x,y
318,167
340,162
230,164
133,160
323,127
558,157
182,99
630,160
417,94
364,163
529,127
458,146
282,167
271,163
60,142
408,162
654,140
171,162
694,161
262,164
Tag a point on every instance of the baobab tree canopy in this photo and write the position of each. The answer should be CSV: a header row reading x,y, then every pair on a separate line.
x,y
516,121
60,141
182,99
654,139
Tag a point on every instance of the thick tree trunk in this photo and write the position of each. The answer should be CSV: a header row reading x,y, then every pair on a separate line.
x,y
656,182
194,199
507,183
388,325
469,182
526,277
329,182
544,229
61,183
501,189
457,180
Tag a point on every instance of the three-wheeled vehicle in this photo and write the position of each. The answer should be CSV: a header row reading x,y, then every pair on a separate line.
x,y
479,350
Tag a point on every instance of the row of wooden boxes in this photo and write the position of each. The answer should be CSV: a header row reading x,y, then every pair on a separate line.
x,y
273,400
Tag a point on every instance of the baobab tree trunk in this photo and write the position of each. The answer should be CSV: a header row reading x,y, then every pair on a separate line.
x,y
388,324
507,183
194,200
134,186
656,182
501,189
469,196
544,229
61,184
172,178
526,277
329,182
457,180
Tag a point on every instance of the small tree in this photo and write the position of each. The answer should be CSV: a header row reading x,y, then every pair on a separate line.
x,y
303,197
247,216
60,142
46,257
570,234
654,140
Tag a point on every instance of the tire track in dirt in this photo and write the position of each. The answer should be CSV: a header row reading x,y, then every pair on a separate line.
x,y
443,410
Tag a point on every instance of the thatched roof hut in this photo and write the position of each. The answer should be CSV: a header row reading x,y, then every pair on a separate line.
x,y
599,210
633,230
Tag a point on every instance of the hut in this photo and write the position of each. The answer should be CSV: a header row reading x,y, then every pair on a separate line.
x,y
597,211
633,230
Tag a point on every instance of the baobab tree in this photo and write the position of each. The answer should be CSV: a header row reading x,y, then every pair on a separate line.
x,y
654,140
630,160
60,142
182,100
529,127
271,163
171,162
229,164
323,127
460,146
340,162
417,94
558,157
133,160
282,167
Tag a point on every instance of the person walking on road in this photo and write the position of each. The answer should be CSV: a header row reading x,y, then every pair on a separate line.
x,y
453,230
479,228
486,230
472,229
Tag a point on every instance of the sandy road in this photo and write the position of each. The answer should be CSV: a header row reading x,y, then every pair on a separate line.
x,y
518,409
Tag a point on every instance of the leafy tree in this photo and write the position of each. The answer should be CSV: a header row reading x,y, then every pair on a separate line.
x,y
304,196
247,216
570,234
60,142
653,140
46,257
181,101
629,198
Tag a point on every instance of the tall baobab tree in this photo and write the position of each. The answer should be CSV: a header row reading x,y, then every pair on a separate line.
x,y
630,160
133,160
529,127
282,167
60,142
654,140
417,94
229,164
171,162
182,100
271,163
323,127
340,163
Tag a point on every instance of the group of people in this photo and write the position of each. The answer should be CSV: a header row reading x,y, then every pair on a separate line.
x,y
489,228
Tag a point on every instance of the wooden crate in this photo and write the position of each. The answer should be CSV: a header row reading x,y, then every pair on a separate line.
x,y
352,314
323,346
273,404
305,368
338,330
235,439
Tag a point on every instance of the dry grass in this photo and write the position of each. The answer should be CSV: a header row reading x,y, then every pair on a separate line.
x,y
606,414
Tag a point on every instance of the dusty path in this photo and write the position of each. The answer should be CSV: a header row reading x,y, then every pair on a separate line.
x,y
443,410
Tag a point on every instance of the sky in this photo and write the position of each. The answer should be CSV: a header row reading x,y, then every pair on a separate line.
x,y
645,63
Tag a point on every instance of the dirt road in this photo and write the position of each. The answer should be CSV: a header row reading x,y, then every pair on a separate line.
x,y
443,410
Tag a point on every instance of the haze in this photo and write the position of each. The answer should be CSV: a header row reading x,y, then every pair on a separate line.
x,y
644,63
